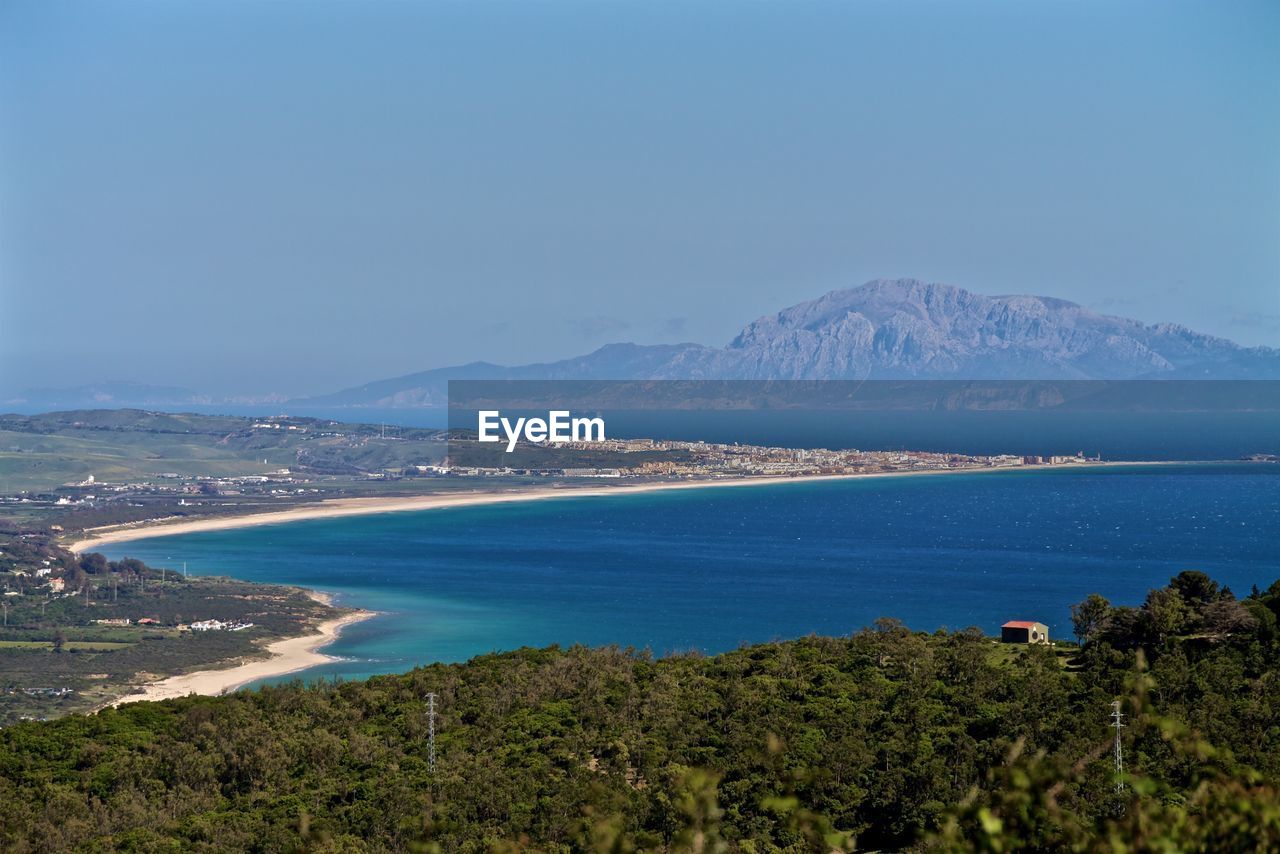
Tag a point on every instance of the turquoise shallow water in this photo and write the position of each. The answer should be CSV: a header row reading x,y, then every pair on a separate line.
x,y
714,568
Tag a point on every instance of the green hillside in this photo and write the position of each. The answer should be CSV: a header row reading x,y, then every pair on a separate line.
x,y
39,453
80,631
886,740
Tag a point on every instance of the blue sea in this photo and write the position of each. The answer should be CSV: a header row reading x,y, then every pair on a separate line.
x,y
711,569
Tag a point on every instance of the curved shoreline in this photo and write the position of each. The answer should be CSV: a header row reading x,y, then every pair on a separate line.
x,y
300,653
287,655
340,507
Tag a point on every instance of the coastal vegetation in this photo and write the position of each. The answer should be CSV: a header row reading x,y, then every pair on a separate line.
x,y
887,739
80,631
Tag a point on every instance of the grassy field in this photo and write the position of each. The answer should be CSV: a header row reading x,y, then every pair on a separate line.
x,y
44,462
39,453
43,452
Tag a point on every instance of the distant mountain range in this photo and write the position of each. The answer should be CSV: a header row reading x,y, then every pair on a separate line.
x,y
885,329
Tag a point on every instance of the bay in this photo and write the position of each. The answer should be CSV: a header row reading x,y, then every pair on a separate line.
x,y
710,569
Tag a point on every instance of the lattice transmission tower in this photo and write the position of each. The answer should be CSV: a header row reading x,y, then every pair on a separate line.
x,y
1117,721
431,732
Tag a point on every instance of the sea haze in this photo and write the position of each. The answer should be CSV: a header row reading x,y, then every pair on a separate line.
x,y
711,569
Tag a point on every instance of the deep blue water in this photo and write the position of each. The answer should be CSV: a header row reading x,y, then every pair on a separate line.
x,y
714,568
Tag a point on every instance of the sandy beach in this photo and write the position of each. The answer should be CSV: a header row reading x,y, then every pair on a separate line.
x,y
288,655
399,504
292,655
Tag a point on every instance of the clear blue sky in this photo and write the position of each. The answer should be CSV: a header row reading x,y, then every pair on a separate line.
x,y
297,196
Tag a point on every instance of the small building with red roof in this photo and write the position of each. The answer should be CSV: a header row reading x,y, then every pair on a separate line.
x,y
1024,631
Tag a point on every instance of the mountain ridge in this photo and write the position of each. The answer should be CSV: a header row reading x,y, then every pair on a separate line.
x,y
890,329
884,329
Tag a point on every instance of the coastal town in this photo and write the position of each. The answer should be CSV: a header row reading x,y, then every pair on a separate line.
x,y
665,458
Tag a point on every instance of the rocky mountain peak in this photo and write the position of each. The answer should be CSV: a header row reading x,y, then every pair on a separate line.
x,y
892,329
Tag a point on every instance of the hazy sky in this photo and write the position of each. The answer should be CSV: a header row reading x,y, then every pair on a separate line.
x,y
298,196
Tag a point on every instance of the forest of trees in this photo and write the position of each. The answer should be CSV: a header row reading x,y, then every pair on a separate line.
x,y
885,740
